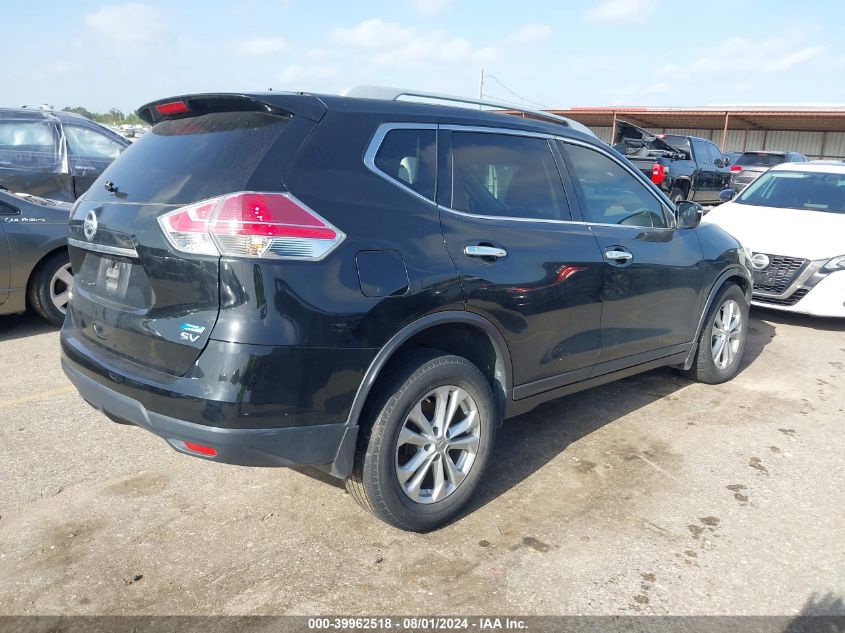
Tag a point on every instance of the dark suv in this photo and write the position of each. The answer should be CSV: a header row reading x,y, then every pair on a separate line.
x,y
372,285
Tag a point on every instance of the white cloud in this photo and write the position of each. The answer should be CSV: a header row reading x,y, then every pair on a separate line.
x,y
622,10
531,33
257,47
432,47
771,56
126,24
791,60
374,33
302,76
429,7
398,46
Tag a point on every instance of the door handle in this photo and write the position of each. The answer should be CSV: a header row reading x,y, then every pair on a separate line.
x,y
618,255
477,250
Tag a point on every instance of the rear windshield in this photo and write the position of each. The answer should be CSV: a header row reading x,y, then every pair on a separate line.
x,y
811,191
185,160
760,160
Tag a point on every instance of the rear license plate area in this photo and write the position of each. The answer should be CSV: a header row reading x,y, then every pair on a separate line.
x,y
113,277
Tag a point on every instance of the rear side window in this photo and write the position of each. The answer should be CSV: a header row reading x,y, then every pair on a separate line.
x,y
610,193
506,175
702,155
29,144
409,156
185,160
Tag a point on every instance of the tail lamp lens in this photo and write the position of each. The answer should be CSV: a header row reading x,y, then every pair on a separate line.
x,y
736,168
251,224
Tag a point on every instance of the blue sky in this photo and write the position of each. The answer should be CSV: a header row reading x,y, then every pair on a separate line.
x,y
557,54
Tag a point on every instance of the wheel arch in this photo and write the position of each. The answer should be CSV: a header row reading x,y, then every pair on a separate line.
x,y
463,333
734,274
34,270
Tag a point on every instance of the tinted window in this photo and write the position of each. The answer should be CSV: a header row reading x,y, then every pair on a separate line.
x,y
813,191
715,153
610,193
87,143
409,156
702,154
29,144
679,142
506,175
186,160
760,159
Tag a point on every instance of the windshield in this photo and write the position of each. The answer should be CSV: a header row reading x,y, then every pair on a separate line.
x,y
813,191
761,160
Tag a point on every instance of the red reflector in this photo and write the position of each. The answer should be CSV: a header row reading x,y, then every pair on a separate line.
x,y
736,168
202,450
174,107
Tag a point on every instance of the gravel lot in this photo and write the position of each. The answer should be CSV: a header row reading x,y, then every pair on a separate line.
x,y
651,495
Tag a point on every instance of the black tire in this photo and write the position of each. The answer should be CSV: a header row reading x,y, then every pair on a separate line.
x,y
39,291
677,195
704,368
374,482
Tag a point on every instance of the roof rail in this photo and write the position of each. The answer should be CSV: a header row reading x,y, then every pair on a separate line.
x,y
393,94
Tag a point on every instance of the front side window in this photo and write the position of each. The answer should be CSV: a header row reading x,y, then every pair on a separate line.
x,y
715,153
86,143
610,194
506,176
806,190
409,156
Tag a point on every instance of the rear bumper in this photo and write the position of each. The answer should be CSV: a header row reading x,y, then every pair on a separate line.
x,y
330,445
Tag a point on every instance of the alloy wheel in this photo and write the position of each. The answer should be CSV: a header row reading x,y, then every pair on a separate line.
x,y
726,334
438,444
61,285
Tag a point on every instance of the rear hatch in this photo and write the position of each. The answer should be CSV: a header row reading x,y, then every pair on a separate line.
x,y
751,164
135,296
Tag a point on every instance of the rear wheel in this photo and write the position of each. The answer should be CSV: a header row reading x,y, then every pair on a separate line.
x,y
723,338
677,195
50,287
431,436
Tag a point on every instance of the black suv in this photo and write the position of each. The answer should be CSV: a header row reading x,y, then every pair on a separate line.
x,y
372,285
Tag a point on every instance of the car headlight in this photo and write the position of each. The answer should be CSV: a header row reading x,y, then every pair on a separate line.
x,y
837,263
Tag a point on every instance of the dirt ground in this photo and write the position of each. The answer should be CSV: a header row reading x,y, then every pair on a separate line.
x,y
652,495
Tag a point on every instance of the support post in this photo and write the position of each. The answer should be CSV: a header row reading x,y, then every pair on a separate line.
x,y
725,133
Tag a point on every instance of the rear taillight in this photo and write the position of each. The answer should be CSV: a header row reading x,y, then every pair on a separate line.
x,y
658,173
251,224
736,168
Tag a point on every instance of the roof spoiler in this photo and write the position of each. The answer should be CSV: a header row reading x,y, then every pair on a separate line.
x,y
281,104
394,94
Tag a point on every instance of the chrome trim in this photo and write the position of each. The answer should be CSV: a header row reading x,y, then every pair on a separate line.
x,y
812,268
102,248
375,144
484,129
484,251
618,255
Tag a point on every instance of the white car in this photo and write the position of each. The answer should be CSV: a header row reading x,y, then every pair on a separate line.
x,y
792,219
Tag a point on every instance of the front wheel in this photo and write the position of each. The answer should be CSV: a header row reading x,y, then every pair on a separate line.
x,y
723,338
425,453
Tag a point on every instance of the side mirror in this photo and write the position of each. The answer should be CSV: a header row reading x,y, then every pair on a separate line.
x,y
726,195
689,214
720,163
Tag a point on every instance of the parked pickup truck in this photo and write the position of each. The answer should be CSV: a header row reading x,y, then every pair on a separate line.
x,y
685,167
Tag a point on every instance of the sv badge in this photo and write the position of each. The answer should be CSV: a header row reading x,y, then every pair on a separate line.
x,y
191,332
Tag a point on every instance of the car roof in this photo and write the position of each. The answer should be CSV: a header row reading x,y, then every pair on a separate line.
x,y
818,166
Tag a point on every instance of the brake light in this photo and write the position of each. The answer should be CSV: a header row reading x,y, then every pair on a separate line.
x,y
658,173
736,168
174,107
251,224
